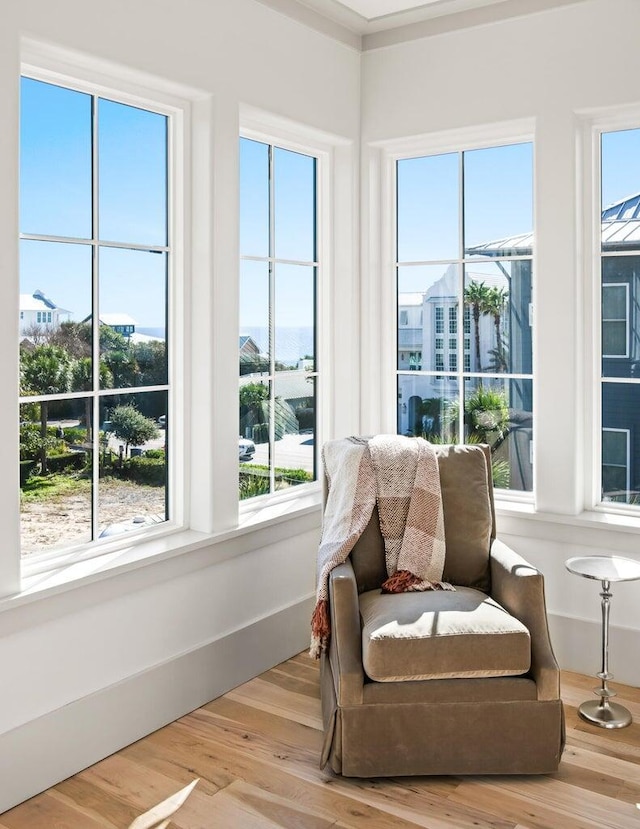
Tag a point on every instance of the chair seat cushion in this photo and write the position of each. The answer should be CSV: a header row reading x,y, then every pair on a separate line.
x,y
440,635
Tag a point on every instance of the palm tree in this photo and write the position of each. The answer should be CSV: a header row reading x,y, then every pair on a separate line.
x,y
476,295
45,370
495,302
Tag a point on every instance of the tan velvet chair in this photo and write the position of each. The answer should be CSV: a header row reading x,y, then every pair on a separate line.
x,y
443,682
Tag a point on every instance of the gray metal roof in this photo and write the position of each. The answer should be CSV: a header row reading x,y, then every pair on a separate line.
x,y
620,230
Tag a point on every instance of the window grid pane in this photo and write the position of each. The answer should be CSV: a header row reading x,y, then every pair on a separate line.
x,y
278,364
491,296
78,336
620,324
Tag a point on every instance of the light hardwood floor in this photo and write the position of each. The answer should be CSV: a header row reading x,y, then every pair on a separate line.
x,y
256,752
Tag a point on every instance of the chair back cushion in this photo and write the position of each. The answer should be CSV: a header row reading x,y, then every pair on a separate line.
x,y
469,524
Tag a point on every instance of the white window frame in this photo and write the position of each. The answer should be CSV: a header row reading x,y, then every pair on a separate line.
x,y
272,259
591,126
389,153
626,319
86,75
331,157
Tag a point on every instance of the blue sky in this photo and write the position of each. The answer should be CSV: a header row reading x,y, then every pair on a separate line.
x,y
55,200
620,165
293,220
498,200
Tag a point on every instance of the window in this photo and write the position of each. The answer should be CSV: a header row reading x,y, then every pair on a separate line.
x,y
619,274
404,318
615,464
453,320
615,320
464,242
278,300
94,241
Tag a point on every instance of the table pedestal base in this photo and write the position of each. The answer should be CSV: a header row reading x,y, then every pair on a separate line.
x,y
605,714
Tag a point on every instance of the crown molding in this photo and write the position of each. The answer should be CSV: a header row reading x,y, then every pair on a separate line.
x,y
342,24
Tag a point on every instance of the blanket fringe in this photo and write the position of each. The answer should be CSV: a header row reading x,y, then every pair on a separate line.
x,y
400,582
320,628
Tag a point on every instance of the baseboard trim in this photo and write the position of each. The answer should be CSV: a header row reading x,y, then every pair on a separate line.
x,y
577,644
51,748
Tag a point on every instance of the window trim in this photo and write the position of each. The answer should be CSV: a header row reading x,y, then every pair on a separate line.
x,y
271,259
450,141
90,76
331,154
591,125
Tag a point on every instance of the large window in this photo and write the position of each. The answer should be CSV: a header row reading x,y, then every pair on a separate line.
x,y
278,290
464,247
620,324
95,254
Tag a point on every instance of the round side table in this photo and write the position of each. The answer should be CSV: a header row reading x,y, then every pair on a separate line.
x,y
605,569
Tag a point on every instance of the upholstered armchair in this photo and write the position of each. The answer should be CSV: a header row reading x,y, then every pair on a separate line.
x,y
442,682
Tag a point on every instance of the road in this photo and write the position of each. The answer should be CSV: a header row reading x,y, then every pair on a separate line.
x,y
292,452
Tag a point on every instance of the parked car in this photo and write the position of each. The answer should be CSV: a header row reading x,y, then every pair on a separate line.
x,y
246,449
162,421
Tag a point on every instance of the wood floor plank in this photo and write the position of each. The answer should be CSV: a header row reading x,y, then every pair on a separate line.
x,y
270,698
256,753
46,811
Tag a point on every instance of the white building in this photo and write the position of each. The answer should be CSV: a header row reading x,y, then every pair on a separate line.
x,y
37,311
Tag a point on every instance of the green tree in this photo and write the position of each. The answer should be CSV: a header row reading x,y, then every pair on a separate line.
x,y
82,378
476,295
151,361
253,393
131,426
73,337
45,370
495,302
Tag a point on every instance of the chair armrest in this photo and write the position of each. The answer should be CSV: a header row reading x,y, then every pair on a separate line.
x,y
345,646
519,588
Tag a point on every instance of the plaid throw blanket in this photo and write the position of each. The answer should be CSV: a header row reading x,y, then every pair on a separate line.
x,y
401,475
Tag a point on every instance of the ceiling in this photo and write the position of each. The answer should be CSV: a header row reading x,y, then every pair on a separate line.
x,y
373,9
370,24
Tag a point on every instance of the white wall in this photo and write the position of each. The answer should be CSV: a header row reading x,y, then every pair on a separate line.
x,y
121,634
104,652
551,67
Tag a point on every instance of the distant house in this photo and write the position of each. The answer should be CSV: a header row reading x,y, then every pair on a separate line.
x,y
251,360
121,323
37,311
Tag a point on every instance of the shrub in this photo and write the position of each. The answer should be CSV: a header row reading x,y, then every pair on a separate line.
x,y
31,441
298,476
251,485
144,470
74,434
27,468
306,417
254,479
157,454
69,460
260,433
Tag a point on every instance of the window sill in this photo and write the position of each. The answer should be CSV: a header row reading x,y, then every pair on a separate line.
x,y
589,528
168,555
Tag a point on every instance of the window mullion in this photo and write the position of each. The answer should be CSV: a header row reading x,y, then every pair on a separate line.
x,y
95,318
272,321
